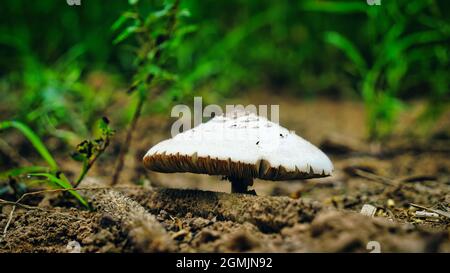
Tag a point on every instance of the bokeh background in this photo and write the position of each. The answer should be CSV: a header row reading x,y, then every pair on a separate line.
x,y
367,84
342,67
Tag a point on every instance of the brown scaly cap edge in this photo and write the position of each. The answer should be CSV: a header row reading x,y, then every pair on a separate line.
x,y
206,165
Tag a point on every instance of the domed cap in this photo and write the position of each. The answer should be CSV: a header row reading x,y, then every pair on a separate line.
x,y
240,144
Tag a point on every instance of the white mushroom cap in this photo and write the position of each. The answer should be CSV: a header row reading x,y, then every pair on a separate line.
x,y
240,145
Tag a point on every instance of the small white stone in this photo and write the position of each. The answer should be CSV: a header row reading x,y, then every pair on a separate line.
x,y
73,247
426,214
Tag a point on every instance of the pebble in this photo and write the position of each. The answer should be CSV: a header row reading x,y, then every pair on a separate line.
x,y
73,247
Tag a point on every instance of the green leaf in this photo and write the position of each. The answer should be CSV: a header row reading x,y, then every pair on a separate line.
x,y
180,32
122,20
133,2
62,184
184,13
156,15
348,48
78,157
161,73
125,34
34,139
103,125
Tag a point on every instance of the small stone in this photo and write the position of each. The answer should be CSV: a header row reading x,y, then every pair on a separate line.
x,y
426,214
73,247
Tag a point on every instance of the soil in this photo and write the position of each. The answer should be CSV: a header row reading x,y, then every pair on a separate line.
x,y
150,212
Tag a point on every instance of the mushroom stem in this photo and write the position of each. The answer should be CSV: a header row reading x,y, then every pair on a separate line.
x,y
240,185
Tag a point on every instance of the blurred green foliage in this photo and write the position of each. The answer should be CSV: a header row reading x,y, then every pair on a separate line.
x,y
158,31
384,54
406,47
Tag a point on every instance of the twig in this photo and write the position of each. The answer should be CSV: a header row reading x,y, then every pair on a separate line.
x,y
374,177
383,180
440,212
69,189
12,203
18,204
417,178
127,143
8,223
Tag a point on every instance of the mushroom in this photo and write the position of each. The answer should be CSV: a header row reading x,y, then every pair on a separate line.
x,y
240,146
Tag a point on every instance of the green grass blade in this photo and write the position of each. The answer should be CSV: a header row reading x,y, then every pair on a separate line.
x,y
348,48
63,184
34,139
23,170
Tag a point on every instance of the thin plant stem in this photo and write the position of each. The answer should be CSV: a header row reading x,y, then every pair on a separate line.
x,y
126,145
142,97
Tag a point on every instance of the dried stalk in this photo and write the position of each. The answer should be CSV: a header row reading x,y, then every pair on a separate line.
x,y
143,229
